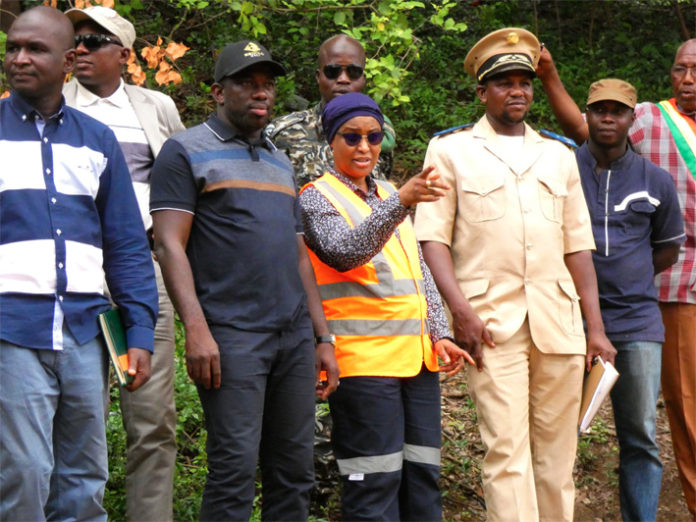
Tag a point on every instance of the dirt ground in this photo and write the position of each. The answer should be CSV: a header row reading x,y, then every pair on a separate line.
x,y
596,479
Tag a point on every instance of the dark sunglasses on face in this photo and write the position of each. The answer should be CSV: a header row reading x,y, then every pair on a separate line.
x,y
353,138
92,42
333,71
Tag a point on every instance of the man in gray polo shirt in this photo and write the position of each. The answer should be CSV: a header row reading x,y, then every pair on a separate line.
x,y
228,236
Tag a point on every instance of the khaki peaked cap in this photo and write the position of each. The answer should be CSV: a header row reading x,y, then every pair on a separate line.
x,y
614,90
508,49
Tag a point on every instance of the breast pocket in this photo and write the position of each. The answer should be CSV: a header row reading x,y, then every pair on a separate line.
x,y
641,211
552,194
483,198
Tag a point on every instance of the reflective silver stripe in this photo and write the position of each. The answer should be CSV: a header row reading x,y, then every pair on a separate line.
x,y
352,289
372,464
422,454
382,269
381,327
347,205
385,185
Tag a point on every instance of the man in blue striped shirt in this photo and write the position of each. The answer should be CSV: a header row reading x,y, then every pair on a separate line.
x,y
69,217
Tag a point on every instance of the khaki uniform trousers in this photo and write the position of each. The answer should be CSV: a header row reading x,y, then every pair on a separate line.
x,y
149,418
528,404
679,391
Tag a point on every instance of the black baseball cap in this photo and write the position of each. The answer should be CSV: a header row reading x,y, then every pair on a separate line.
x,y
238,56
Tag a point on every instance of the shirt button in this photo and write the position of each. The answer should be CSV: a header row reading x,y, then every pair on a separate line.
x,y
53,200
48,171
529,246
59,231
60,265
527,281
45,140
60,298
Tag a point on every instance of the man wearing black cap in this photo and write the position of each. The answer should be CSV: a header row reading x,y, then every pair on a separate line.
x,y
510,252
227,234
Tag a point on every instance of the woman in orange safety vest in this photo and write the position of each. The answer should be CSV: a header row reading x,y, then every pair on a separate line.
x,y
387,318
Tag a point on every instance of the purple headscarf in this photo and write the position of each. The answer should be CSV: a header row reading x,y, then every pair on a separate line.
x,y
346,106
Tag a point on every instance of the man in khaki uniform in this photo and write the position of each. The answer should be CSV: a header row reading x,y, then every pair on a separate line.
x,y
509,248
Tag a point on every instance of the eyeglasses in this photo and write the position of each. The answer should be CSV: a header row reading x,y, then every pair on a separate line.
x,y
333,71
92,42
680,70
353,138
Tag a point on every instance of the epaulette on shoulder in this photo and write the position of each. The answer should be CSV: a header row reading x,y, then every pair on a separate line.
x,y
563,139
452,130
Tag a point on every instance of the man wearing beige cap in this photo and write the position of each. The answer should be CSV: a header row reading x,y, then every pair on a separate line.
x,y
509,249
638,230
142,120
664,133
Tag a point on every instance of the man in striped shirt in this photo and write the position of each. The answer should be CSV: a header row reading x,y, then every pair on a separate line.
x,y
229,238
142,120
69,216
664,133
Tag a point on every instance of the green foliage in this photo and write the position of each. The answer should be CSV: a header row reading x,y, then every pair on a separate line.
x,y
114,499
415,54
3,81
191,463
589,456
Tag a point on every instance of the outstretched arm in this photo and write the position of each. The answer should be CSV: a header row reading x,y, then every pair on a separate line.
x,y
564,108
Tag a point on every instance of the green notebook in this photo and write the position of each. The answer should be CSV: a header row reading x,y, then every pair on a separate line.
x,y
116,345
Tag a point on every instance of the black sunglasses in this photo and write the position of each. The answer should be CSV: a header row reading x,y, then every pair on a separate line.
x,y
353,138
333,71
92,42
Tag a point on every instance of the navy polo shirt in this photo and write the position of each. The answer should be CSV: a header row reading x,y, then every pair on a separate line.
x,y
634,210
243,243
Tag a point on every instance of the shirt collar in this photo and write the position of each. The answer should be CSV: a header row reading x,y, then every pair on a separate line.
x,y
371,185
318,108
25,111
689,114
622,163
85,97
225,132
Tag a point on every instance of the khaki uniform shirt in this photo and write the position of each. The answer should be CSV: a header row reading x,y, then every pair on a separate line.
x,y
509,219
301,136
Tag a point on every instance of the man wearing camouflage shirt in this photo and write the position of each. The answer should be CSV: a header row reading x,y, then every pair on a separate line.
x,y
300,135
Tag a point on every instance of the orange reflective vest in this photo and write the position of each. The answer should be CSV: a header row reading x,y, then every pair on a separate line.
x,y
377,311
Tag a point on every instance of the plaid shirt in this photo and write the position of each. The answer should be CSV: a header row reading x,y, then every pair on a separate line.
x,y
651,138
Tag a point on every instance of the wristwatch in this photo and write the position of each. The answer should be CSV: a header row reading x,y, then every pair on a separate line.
x,y
330,338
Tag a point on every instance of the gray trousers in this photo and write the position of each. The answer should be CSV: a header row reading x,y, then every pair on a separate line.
x,y
149,418
263,411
